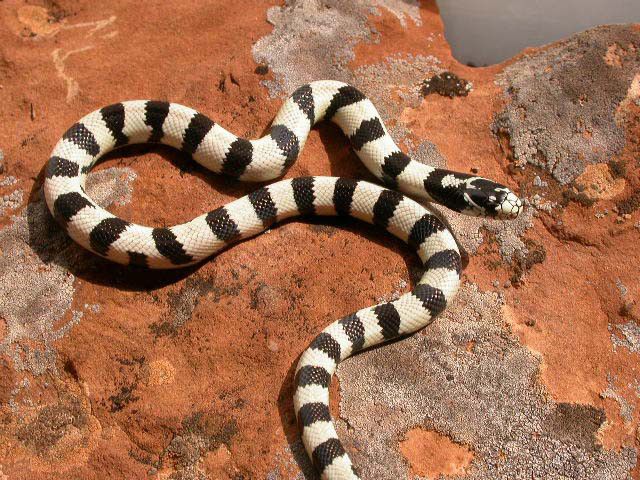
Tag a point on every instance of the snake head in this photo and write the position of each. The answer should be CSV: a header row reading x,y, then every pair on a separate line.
x,y
491,199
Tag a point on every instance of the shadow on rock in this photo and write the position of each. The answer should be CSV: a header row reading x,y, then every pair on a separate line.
x,y
53,245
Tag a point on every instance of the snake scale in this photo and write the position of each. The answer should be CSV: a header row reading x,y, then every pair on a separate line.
x,y
269,157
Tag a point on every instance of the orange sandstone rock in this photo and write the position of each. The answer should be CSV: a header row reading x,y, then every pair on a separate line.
x,y
111,372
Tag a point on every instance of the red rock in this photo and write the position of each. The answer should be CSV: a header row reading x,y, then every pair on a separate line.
x,y
431,455
106,371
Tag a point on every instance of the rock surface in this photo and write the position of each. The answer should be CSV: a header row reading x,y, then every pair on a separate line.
x,y
533,372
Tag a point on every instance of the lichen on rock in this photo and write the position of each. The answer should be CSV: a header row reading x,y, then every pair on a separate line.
x,y
466,367
106,370
447,84
314,40
628,336
562,101
36,288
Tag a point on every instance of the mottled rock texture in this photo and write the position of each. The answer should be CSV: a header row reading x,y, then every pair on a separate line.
x,y
563,101
108,372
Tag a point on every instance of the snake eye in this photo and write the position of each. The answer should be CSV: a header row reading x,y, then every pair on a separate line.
x,y
480,200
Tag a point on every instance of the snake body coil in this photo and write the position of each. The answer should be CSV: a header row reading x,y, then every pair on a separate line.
x,y
265,159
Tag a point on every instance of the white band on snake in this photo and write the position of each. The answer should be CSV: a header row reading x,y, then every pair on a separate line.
x,y
215,148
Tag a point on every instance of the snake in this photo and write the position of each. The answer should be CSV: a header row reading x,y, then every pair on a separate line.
x,y
397,207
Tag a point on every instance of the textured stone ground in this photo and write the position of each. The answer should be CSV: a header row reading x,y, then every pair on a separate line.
x,y
107,372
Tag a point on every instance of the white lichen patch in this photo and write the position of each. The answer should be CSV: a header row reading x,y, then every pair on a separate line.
x,y
36,286
314,40
626,409
470,379
311,40
398,291
112,186
11,201
292,464
395,83
402,9
563,101
8,181
469,230
629,336
539,203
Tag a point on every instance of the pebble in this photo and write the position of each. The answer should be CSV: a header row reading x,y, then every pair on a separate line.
x,y
538,182
262,69
530,322
496,283
8,181
475,170
626,216
507,284
273,345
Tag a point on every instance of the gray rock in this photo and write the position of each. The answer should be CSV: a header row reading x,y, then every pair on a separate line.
x,y
563,99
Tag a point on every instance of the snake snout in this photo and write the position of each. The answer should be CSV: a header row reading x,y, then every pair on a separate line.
x,y
508,205
492,199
